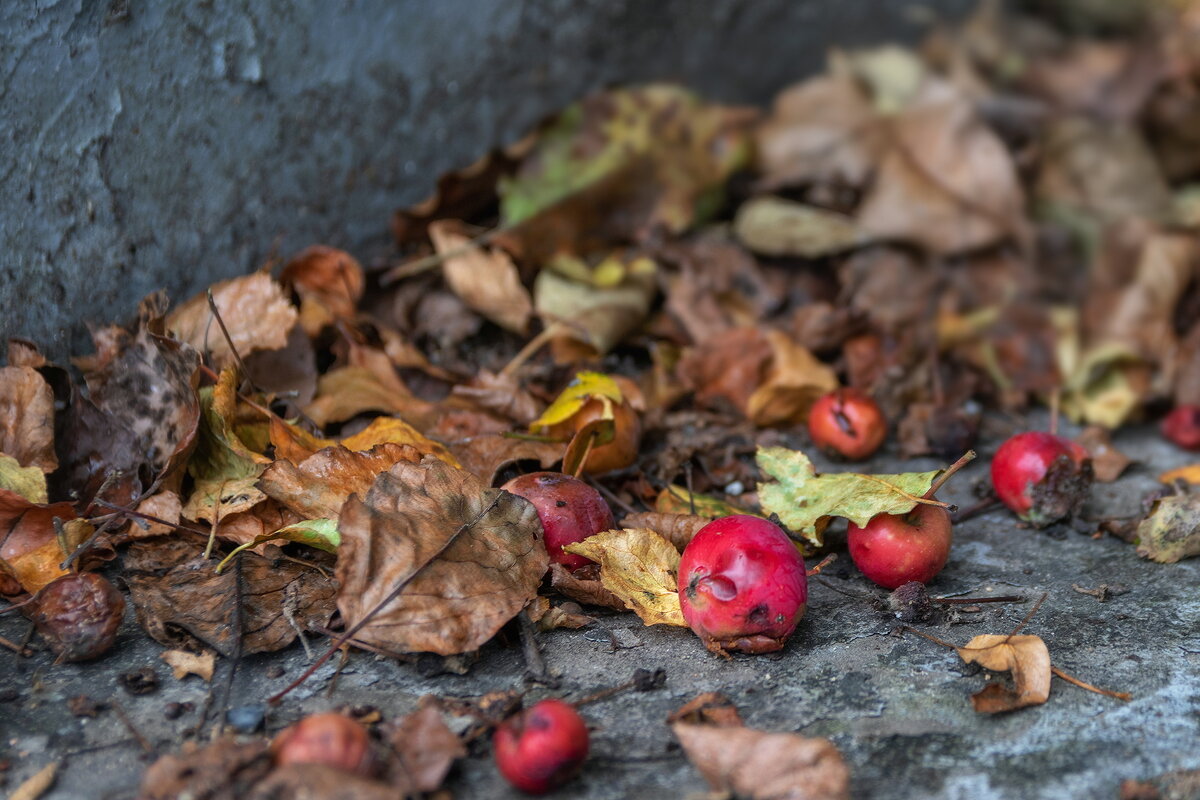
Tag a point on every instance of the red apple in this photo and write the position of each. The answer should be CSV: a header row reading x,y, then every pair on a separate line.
x,y
847,423
1182,426
1041,476
569,509
742,585
334,740
893,549
541,748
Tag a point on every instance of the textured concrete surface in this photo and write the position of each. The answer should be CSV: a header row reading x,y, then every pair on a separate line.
x,y
897,706
148,145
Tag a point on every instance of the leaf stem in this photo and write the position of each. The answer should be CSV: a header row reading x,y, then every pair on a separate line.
x,y
1083,685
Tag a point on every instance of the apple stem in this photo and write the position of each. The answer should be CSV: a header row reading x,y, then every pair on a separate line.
x,y
825,562
950,470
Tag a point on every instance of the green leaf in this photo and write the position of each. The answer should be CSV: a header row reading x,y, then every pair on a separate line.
x,y
572,399
319,533
802,499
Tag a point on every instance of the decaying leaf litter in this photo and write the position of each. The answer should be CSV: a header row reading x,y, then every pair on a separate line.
x,y
651,290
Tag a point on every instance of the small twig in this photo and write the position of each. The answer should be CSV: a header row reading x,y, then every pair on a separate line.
x,y
20,650
947,473
1029,616
535,662
1101,592
847,592
825,562
587,451
407,658
975,510
216,312
1055,401
1008,598
21,604
236,624
612,497
531,347
87,543
604,694
123,511
142,741
930,637
1082,685
337,673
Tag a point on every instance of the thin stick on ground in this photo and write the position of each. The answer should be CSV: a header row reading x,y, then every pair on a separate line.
x,y
947,473
612,497
1071,679
142,741
20,650
237,357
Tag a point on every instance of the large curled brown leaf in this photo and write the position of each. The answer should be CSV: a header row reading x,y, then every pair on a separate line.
x,y
319,485
27,418
254,310
765,766
468,557
485,455
180,599
1025,656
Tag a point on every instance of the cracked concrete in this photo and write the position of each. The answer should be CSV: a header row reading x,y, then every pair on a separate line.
x,y
168,145
897,705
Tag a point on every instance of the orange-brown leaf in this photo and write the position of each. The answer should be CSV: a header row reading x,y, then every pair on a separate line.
x,y
319,485
1025,656
27,418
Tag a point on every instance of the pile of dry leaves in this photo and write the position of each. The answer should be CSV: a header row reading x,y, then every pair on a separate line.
x,y
647,290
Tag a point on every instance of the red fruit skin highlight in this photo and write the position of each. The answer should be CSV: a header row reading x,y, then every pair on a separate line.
x,y
894,549
569,509
742,585
542,747
331,739
1182,427
1022,462
847,423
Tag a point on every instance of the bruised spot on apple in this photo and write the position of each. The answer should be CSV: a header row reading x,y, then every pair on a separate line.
x,y
742,585
569,509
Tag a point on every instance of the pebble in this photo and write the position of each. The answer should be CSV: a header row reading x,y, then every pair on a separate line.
x,y
246,719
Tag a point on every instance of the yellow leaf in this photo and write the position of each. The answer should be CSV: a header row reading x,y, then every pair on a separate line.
x,y
795,380
639,566
1026,657
583,388
183,663
392,430
29,482
1188,474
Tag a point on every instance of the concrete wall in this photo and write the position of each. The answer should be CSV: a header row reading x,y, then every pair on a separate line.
x,y
168,144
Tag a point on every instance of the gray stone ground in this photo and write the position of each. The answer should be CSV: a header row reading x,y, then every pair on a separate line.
x,y
896,705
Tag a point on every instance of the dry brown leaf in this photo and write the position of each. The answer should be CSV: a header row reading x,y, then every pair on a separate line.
x,y
181,600
28,543
1025,656
1171,531
500,394
227,769
37,784
185,662
584,586
1107,461
425,749
638,566
246,526
774,226
164,505
765,766
727,367
24,353
708,708
254,309
319,485
484,456
946,182
346,392
548,617
330,284
468,558
318,782
27,418
678,529
486,279
795,380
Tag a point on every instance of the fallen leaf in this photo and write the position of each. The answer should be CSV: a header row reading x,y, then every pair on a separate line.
x,y
426,750
485,456
678,529
27,418
584,586
728,367
1107,461
548,617
464,558
1026,657
677,500
319,485
254,309
639,566
29,543
28,482
794,381
1170,532
1189,474
945,182
765,766
500,394
486,279
329,282
164,505
224,469
24,353
226,769
708,708
318,782
584,387
599,317
181,601
289,374
802,499
346,392
777,227
185,662
321,534
37,784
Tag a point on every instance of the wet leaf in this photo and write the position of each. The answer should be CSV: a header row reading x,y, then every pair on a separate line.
x,y
794,381
182,602
319,485
639,566
254,310
1026,657
1170,532
27,418
777,227
426,750
485,279
185,662
765,766
801,498
584,586
468,559
678,529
